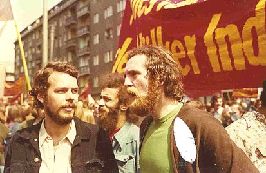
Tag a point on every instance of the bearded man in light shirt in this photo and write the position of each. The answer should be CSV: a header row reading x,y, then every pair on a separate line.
x,y
61,143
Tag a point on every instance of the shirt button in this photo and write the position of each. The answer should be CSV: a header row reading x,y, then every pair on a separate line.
x,y
36,159
35,139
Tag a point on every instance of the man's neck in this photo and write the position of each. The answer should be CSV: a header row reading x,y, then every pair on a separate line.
x,y
56,131
121,119
164,107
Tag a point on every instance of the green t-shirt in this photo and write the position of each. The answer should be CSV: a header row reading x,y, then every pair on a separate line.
x,y
155,155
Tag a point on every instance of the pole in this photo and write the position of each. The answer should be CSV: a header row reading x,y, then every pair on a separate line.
x,y
52,30
25,68
45,34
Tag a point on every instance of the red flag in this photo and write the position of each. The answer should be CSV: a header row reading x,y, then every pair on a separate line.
x,y
5,10
85,92
16,88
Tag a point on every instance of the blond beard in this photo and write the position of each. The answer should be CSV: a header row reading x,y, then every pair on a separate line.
x,y
143,106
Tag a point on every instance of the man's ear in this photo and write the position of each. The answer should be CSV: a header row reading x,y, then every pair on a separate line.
x,y
122,108
40,98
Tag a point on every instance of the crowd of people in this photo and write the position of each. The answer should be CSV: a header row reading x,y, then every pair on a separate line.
x,y
141,123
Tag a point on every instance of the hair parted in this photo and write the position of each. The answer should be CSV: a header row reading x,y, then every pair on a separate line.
x,y
40,80
162,68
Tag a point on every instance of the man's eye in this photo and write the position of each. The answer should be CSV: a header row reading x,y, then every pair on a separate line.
x,y
61,91
75,91
107,99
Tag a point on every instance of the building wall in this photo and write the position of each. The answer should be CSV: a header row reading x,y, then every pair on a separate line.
x,y
73,26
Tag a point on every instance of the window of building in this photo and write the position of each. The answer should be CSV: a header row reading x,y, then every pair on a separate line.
x,y
108,12
60,41
121,5
69,57
96,39
96,18
96,82
108,56
108,33
96,60
82,43
118,28
83,62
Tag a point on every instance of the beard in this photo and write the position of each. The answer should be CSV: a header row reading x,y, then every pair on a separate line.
x,y
108,119
145,105
57,118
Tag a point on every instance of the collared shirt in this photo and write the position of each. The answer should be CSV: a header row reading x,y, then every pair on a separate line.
x,y
125,145
56,159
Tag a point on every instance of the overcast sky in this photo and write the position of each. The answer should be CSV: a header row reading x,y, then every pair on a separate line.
x,y
25,12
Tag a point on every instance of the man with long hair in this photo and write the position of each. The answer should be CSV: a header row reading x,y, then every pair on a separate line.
x,y
176,137
114,117
60,142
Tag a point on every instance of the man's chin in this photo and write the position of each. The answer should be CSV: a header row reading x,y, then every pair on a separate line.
x,y
140,107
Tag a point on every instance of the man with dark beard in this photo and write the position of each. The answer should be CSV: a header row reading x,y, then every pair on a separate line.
x,y
176,137
113,116
60,143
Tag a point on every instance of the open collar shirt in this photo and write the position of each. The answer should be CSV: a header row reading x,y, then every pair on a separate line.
x,y
56,158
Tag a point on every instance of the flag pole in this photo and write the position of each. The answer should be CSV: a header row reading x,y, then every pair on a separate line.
x,y
45,34
25,68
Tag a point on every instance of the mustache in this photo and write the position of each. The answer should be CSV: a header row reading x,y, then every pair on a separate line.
x,y
69,106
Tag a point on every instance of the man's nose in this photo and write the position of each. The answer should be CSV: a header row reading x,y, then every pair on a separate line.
x,y
101,103
128,82
70,96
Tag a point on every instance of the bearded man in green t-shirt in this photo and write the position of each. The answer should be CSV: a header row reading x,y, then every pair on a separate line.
x,y
176,137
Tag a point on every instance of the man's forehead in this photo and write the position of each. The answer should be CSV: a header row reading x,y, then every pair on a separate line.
x,y
136,63
62,79
139,60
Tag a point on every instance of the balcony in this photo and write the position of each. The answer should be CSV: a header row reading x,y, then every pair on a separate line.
x,y
70,21
83,11
71,43
84,30
84,70
84,51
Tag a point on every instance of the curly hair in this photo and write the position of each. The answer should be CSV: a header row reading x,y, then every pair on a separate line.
x,y
116,80
40,80
113,80
162,68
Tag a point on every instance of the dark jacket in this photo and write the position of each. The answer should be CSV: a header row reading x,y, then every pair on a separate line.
x,y
216,152
91,151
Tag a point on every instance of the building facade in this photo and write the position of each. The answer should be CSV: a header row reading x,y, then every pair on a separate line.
x,y
83,32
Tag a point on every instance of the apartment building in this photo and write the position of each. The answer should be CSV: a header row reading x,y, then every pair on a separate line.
x,y
83,32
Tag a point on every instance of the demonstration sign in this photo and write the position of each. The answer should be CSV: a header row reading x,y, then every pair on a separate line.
x,y
220,44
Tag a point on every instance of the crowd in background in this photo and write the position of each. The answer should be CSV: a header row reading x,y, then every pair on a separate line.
x,y
17,116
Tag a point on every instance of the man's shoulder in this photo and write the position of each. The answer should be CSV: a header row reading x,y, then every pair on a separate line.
x,y
84,126
196,116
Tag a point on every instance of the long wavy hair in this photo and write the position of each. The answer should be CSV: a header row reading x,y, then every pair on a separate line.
x,y
162,68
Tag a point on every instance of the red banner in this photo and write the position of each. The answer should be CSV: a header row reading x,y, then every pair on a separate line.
x,y
16,88
220,44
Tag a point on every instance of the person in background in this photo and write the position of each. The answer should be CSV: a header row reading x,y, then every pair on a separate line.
x,y
113,116
176,137
249,133
3,136
60,142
